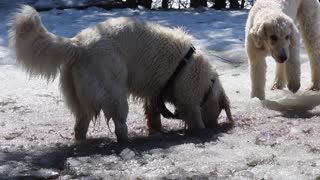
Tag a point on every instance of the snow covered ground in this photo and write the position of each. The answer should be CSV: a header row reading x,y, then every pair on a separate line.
x,y
274,139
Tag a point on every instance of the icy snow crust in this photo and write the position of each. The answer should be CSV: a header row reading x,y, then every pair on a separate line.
x,y
274,139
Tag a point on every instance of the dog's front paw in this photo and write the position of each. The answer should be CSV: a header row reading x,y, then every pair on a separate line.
x,y
261,96
315,87
278,84
294,86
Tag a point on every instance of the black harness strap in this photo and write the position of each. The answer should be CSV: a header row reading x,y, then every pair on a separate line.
x,y
163,109
206,96
160,102
181,65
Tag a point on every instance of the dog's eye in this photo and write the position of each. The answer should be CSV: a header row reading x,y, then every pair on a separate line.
x,y
287,37
273,37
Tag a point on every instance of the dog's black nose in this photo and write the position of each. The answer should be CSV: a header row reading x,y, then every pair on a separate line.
x,y
283,57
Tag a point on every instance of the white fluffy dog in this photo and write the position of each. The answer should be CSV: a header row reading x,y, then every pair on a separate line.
x,y
271,30
103,64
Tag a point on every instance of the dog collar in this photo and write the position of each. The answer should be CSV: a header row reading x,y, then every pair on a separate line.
x,y
190,52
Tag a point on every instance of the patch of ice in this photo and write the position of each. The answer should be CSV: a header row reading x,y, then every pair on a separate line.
x,y
44,174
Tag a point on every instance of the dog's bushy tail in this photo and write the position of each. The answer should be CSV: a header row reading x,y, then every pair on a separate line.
x,y
39,51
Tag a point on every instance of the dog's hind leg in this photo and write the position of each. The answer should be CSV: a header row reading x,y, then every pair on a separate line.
x,y
279,81
116,107
82,117
81,127
121,128
309,20
152,115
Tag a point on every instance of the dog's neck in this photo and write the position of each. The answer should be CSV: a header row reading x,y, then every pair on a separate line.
x,y
163,109
181,65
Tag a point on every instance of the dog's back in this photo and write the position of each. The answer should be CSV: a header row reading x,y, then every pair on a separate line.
x,y
149,52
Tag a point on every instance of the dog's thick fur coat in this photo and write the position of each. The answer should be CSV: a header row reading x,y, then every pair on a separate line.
x,y
271,30
103,64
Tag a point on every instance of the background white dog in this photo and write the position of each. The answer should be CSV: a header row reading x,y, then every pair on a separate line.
x,y
105,63
271,30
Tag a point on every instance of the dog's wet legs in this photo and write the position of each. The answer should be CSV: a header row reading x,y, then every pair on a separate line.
x,y
121,129
292,70
279,81
118,111
81,128
152,116
310,30
258,68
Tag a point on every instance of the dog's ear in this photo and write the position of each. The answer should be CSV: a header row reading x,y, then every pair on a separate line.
x,y
257,32
225,104
294,36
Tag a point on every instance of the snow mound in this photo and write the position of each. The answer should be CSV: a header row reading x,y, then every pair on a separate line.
x,y
294,103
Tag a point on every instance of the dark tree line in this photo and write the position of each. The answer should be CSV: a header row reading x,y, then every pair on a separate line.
x,y
234,4
164,4
217,4
135,3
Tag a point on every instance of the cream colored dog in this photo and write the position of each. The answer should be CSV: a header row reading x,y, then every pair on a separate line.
x,y
105,63
271,30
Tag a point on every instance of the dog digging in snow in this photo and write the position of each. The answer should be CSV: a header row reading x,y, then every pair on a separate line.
x,y
104,64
